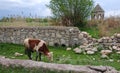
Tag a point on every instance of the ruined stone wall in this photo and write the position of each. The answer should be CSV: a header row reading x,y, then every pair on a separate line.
x,y
58,68
52,35
68,36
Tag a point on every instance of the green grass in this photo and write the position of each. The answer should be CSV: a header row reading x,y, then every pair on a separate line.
x,y
93,31
61,56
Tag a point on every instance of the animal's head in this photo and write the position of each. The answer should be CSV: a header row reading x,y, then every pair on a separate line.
x,y
50,56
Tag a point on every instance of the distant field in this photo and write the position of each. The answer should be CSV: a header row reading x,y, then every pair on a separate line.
x,y
24,24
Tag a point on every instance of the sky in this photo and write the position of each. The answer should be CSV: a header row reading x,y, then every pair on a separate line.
x,y
37,8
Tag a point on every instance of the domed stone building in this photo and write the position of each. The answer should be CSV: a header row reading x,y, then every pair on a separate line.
x,y
97,13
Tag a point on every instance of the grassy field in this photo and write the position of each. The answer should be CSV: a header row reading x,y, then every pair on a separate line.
x,y
23,24
62,56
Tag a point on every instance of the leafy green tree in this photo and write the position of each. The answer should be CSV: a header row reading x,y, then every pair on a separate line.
x,y
71,12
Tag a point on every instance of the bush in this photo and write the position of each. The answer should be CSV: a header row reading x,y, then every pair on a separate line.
x,y
45,20
29,19
4,19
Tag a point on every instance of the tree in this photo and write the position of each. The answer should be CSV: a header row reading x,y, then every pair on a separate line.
x,y
71,12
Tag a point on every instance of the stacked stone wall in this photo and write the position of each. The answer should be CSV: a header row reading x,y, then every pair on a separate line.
x,y
52,35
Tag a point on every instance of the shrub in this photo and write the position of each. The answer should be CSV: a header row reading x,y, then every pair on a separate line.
x,y
29,19
45,20
4,19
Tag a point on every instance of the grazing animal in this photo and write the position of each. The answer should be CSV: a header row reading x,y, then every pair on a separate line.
x,y
38,46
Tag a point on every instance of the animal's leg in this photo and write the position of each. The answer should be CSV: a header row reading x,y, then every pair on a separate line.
x,y
37,54
29,54
26,51
40,56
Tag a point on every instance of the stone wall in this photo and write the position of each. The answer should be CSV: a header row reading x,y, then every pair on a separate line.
x,y
66,36
56,68
52,35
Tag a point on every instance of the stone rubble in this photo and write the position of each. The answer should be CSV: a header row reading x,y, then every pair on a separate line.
x,y
91,45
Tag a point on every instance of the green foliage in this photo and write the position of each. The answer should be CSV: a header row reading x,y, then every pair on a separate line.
x,y
29,19
45,20
4,19
41,20
11,19
71,12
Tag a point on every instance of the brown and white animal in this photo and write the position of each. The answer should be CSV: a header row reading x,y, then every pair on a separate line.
x,y
38,46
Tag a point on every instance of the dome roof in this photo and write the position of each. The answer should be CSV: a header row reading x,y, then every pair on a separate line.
x,y
98,9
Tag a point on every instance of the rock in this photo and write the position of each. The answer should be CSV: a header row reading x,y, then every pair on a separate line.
x,y
114,47
58,35
100,69
85,34
110,40
81,36
118,35
2,56
77,50
105,40
68,49
111,70
63,41
84,41
18,54
90,45
71,29
94,49
103,69
118,60
105,52
53,35
90,52
100,40
51,44
104,56
118,49
118,52
88,49
82,46
111,60
61,68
